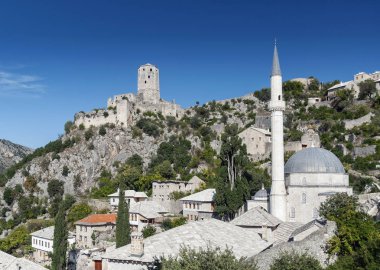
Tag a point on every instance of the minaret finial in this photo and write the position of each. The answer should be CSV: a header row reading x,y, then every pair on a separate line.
x,y
276,70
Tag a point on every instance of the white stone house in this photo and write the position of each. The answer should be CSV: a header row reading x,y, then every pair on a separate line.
x,y
162,192
141,253
146,213
199,206
42,243
258,142
354,84
131,197
98,224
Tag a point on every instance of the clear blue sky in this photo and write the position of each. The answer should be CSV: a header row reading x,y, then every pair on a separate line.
x,y
61,57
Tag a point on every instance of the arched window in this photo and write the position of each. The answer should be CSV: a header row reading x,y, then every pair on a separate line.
x,y
303,200
292,213
304,181
315,213
279,97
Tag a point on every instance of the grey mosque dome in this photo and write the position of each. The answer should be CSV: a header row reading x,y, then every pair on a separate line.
x,y
314,160
261,194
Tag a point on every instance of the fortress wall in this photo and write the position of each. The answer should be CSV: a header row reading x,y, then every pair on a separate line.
x,y
95,119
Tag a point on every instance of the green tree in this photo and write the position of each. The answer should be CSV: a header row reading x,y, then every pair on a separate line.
x,y
343,99
122,221
165,169
263,94
102,131
60,241
205,259
356,230
55,188
295,261
367,89
232,187
78,211
68,126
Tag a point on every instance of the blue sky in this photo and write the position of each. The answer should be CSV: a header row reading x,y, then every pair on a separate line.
x,y
61,57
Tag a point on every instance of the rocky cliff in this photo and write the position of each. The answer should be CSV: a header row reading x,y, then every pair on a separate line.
x,y
11,153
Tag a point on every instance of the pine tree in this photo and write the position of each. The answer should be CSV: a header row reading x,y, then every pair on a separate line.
x,y
122,221
60,240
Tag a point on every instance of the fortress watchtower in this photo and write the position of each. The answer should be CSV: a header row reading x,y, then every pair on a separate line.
x,y
148,83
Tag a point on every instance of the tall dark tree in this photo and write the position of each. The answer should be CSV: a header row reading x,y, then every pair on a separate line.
x,y
60,240
122,221
232,187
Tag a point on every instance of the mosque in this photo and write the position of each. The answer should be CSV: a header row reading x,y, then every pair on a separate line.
x,y
308,177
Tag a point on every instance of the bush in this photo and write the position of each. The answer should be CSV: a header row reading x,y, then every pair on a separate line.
x,y
294,261
88,134
148,231
102,131
8,195
209,258
65,171
149,127
55,188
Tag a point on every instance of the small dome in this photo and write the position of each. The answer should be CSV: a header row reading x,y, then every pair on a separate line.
x,y
262,193
314,160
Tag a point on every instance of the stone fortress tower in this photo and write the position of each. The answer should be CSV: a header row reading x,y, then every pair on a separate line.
x,y
124,109
148,84
277,106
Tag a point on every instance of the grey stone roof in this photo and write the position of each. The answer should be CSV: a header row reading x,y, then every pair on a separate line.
x,y
256,217
148,209
130,193
314,160
46,233
206,195
315,222
199,234
9,262
284,230
276,70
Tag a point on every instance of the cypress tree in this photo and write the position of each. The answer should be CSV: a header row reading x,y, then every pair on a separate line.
x,y
60,240
122,221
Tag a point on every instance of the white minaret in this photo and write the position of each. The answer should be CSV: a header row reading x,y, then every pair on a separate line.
x,y
277,205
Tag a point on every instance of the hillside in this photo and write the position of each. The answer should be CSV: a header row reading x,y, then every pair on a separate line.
x,y
11,153
91,162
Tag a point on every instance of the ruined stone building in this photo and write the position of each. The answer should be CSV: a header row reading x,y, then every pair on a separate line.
x,y
125,108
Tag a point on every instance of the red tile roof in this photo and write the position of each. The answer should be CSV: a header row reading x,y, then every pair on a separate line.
x,y
99,218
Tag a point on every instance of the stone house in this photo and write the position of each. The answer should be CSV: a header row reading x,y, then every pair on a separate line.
x,y
259,221
162,192
258,142
199,206
309,139
9,262
141,253
354,84
94,224
42,243
146,213
131,197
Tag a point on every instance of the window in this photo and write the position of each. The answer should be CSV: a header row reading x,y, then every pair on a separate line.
x,y
150,69
279,97
315,213
148,77
145,81
292,213
303,200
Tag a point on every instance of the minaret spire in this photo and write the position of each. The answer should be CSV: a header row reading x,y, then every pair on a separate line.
x,y
276,70
278,204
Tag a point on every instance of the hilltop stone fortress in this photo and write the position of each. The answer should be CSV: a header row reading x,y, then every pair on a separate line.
x,y
124,109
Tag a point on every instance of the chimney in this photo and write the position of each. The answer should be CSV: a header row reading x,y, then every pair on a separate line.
x,y
137,244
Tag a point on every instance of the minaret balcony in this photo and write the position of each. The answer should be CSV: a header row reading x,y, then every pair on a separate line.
x,y
277,105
